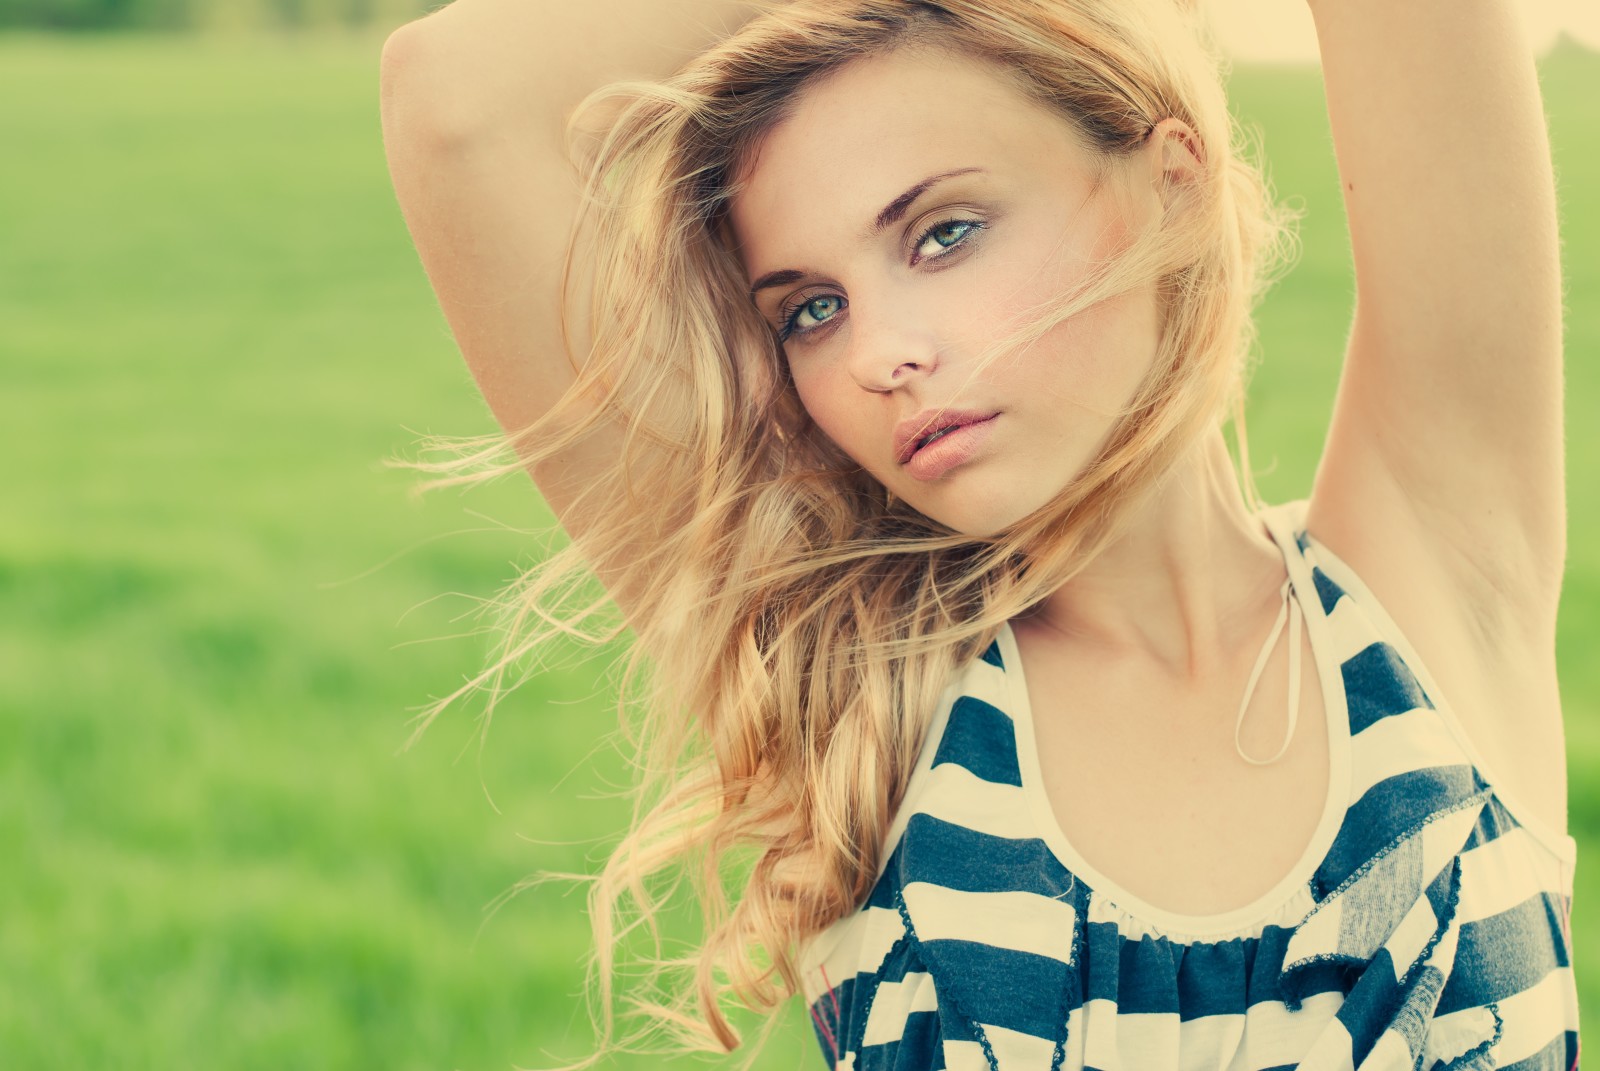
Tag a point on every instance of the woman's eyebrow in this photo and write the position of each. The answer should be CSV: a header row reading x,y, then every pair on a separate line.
x,y
892,213
776,278
897,207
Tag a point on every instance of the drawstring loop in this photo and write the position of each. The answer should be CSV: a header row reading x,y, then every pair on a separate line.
x,y
1290,611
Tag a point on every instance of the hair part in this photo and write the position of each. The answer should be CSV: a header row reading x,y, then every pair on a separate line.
x,y
796,626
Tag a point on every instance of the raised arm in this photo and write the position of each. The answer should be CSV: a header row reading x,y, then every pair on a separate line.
x,y
474,101
1446,440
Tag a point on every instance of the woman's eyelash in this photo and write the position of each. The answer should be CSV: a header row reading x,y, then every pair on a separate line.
x,y
971,225
791,311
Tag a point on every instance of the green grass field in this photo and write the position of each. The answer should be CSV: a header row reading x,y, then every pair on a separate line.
x,y
218,610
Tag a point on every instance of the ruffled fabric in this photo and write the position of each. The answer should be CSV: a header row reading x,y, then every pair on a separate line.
x,y
979,949
1394,923
987,979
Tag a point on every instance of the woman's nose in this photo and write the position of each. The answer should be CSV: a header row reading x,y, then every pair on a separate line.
x,y
889,346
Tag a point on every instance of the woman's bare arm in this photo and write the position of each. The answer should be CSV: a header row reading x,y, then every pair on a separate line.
x,y
474,102
1447,431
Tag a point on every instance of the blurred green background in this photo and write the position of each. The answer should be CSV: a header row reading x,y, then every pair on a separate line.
x,y
220,610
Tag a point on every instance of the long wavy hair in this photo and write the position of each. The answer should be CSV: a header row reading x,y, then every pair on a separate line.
x,y
793,624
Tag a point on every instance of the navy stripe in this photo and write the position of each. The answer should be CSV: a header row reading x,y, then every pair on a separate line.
x,y
1392,806
843,1010
1373,1000
1308,980
1159,975
901,961
1148,970
1264,962
921,1047
957,857
992,655
1493,823
1444,891
1212,978
836,1016
1503,954
983,739
1328,592
1377,684
1019,991
884,893
1274,1067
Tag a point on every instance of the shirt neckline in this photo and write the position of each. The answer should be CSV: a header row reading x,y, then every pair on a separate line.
x,y
1336,722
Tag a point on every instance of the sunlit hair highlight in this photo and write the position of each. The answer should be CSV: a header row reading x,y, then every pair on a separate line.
x,y
793,625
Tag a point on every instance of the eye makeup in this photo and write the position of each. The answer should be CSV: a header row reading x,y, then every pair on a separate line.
x,y
954,235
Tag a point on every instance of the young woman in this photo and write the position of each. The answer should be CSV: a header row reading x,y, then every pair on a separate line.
x,y
877,363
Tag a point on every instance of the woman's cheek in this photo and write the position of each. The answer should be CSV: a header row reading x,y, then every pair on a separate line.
x,y
823,399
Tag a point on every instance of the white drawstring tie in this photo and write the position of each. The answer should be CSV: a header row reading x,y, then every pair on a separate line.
x,y
1290,610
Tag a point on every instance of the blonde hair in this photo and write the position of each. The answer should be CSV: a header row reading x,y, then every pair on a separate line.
x,y
795,626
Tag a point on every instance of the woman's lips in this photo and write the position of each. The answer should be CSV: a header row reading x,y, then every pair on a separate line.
x,y
950,449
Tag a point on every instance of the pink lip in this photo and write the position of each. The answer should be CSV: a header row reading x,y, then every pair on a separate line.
x,y
909,432
949,450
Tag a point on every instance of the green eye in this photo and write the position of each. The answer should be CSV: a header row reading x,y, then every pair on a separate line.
x,y
944,236
818,310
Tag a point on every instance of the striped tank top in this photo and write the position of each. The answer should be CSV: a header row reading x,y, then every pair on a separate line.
x,y
1426,926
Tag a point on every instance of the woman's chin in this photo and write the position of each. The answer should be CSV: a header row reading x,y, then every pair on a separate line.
x,y
979,518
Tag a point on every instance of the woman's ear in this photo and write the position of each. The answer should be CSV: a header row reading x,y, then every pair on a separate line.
x,y
1176,157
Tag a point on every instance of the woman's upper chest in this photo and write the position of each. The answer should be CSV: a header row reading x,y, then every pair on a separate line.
x,y
1145,782
1143,777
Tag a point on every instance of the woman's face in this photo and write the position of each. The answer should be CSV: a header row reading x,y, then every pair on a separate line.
x,y
911,209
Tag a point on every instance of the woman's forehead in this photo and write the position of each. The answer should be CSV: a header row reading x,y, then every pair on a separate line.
x,y
861,135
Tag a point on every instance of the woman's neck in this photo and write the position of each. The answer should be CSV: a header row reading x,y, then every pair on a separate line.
x,y
1187,583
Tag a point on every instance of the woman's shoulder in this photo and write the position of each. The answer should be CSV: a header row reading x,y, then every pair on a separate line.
x,y
866,933
1497,692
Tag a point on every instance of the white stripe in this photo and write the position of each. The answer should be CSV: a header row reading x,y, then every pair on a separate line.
x,y
1536,1015
1449,1036
1268,1035
1274,1036
1077,1034
1096,1035
965,1056
1333,1050
1398,745
858,942
979,679
1350,629
1444,837
956,795
988,683
1209,1042
1147,1039
1013,1049
1413,934
1503,874
894,1003
1020,921
1391,1053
